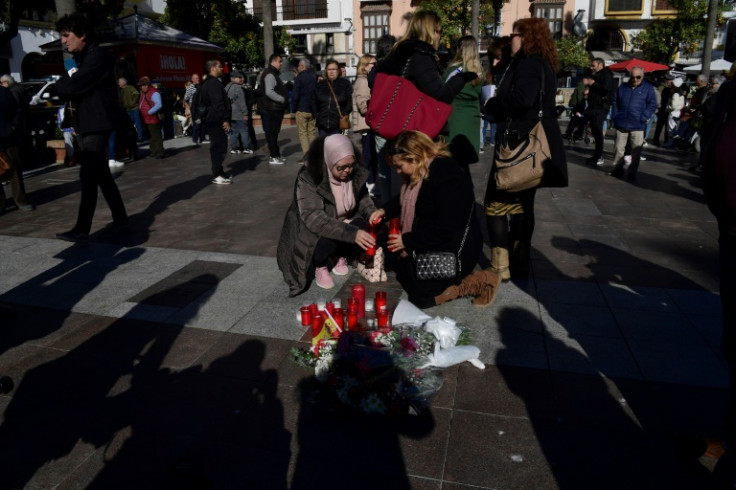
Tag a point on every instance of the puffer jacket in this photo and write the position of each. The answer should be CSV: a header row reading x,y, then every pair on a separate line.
x,y
633,107
324,107
313,214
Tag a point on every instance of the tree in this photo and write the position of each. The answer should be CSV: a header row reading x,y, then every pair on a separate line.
x,y
457,17
571,53
227,24
663,39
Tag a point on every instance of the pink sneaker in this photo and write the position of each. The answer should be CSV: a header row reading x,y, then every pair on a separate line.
x,y
341,268
323,279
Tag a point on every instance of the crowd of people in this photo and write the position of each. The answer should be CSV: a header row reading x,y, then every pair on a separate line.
x,y
348,190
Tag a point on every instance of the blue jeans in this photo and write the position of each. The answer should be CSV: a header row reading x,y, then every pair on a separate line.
x,y
111,145
135,116
239,129
197,133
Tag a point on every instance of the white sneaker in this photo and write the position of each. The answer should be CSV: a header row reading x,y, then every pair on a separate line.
x,y
600,162
234,152
283,159
276,161
222,180
247,150
114,163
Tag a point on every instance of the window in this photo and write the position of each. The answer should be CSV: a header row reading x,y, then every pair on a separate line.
x,y
553,14
330,43
662,6
375,25
614,7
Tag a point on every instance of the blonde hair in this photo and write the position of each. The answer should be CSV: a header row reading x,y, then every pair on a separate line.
x,y
468,57
416,148
363,63
422,26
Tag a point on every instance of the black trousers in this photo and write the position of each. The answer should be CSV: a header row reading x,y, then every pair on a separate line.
x,y
661,123
597,119
273,121
326,246
218,147
93,172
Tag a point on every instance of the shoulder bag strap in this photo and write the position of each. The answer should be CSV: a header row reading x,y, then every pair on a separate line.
x,y
465,235
337,103
541,93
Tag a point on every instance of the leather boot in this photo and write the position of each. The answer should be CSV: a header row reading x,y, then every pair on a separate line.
x,y
500,262
488,287
519,262
447,295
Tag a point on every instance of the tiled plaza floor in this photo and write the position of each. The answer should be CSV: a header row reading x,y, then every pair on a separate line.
x,y
161,360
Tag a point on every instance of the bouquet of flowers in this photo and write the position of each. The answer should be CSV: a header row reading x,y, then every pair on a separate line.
x,y
378,371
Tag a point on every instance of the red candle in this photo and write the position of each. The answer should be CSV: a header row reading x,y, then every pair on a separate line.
x,y
380,300
330,307
306,316
371,251
316,324
352,317
313,309
394,226
339,317
382,317
359,295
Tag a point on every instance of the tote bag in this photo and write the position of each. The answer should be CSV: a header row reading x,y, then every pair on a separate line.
x,y
396,105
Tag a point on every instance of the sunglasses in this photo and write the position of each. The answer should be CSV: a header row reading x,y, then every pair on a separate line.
x,y
637,77
394,150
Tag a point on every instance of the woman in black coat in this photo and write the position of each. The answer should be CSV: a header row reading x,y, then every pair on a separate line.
x,y
436,206
326,112
414,57
515,107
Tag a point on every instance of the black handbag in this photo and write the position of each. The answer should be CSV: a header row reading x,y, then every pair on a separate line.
x,y
441,265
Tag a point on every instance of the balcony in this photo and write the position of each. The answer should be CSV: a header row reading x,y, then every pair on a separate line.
x,y
294,12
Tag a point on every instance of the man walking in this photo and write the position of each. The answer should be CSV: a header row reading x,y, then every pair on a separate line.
x,y
197,129
90,88
239,114
633,106
604,87
304,85
272,106
129,97
213,106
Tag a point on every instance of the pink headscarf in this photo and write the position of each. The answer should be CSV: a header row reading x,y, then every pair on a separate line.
x,y
337,147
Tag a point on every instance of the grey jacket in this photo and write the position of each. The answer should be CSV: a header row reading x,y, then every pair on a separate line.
x,y
236,94
312,215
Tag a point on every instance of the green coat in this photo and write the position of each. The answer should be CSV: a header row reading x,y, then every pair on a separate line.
x,y
465,120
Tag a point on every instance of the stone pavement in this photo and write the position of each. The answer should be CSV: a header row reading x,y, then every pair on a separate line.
x,y
161,360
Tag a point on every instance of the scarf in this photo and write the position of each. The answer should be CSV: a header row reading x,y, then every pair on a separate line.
x,y
408,204
337,147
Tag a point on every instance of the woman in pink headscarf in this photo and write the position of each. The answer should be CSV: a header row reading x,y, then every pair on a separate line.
x,y
326,222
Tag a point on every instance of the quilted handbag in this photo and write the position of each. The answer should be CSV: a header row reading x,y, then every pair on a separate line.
x,y
441,265
396,105
377,273
436,265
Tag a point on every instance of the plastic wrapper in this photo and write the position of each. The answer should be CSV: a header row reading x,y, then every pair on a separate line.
x,y
454,355
445,330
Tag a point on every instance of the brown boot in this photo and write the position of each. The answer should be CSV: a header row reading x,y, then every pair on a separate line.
x,y
500,262
469,286
447,295
489,282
